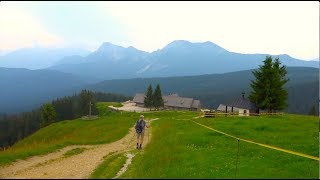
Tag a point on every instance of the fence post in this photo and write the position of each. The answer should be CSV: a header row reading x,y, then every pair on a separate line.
x,y
237,160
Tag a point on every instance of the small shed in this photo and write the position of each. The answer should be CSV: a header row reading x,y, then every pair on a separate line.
x,y
244,106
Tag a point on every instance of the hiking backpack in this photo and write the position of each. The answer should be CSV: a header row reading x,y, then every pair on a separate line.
x,y
138,127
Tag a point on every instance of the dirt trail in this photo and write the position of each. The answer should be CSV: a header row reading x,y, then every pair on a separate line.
x,y
54,165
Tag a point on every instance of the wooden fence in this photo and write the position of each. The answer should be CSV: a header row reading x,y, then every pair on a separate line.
x,y
216,114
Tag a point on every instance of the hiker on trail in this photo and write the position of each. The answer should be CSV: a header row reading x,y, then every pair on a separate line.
x,y
140,128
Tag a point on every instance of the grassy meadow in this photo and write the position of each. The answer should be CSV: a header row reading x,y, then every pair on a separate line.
x,y
179,148
182,149
109,127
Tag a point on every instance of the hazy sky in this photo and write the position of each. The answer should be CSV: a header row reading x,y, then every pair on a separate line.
x,y
245,27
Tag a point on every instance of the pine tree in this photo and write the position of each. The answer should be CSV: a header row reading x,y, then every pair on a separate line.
x,y
48,115
148,100
267,89
279,100
157,98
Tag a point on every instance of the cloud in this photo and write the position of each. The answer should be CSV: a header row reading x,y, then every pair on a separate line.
x,y
264,27
19,30
245,27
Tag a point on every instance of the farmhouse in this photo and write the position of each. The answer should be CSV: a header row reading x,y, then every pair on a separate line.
x,y
173,101
241,105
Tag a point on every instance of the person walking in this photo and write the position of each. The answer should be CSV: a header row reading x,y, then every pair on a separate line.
x,y
140,129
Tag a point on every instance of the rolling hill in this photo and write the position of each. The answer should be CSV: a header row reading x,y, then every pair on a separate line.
x,y
213,89
23,89
37,58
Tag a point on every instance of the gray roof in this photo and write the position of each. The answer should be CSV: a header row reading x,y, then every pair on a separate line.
x,y
171,100
139,98
176,101
222,107
242,103
196,104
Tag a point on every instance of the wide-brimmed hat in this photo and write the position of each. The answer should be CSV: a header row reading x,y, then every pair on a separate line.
x,y
141,116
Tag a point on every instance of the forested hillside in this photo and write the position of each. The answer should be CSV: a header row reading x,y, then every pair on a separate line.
x,y
15,127
215,89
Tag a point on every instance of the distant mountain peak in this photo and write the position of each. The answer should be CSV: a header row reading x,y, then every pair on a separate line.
x,y
178,43
184,43
107,45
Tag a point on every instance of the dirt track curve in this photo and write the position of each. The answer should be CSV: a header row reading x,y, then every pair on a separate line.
x,y
54,165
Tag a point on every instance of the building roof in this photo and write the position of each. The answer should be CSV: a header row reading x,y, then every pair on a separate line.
x,y
195,104
176,101
171,100
242,103
222,107
139,98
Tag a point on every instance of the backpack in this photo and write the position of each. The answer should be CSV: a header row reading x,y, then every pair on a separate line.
x,y
138,127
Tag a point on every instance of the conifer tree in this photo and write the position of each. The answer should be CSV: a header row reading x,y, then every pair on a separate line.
x,y
157,98
268,88
48,115
148,100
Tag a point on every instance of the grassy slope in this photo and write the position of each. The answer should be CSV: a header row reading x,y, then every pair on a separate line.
x,y
110,167
182,149
109,127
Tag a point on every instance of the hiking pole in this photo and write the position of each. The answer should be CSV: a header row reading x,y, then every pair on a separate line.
x,y
237,160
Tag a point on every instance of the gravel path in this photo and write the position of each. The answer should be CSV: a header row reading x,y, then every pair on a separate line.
x,y
54,165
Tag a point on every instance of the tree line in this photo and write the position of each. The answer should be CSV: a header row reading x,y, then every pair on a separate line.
x,y
18,126
153,99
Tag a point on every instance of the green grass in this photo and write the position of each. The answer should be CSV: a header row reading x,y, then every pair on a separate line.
x,y
294,132
109,127
111,165
74,151
103,108
183,149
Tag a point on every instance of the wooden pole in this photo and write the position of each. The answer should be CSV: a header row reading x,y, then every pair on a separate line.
x,y
237,160
226,111
90,109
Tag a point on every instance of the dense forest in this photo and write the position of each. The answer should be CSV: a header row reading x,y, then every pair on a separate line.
x,y
18,126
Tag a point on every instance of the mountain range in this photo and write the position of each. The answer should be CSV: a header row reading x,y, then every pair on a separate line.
x,y
179,58
24,89
37,57
204,71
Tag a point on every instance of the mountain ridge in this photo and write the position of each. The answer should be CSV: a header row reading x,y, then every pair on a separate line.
x,y
180,57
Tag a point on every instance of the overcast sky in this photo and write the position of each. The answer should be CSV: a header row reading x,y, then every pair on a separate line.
x,y
244,27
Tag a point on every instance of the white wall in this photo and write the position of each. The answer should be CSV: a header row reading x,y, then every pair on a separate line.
x,y
241,112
